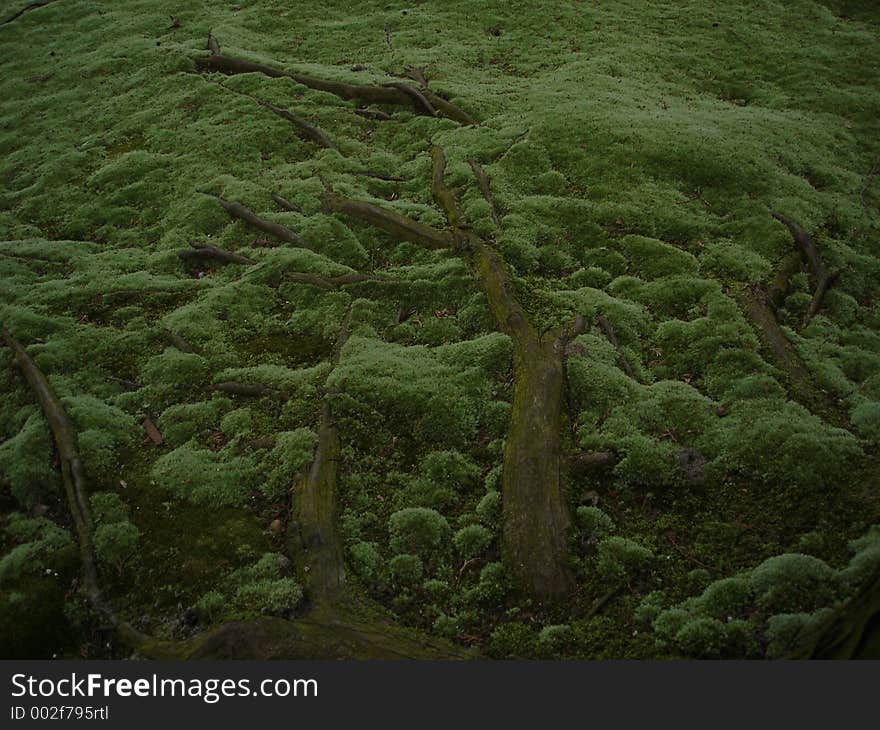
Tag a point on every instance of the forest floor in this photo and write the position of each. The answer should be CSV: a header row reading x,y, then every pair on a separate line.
x,y
531,329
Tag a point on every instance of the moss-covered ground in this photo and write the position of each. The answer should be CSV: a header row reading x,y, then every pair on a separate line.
x,y
635,150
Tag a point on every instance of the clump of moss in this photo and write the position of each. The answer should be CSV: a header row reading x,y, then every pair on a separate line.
x,y
780,443
619,558
36,544
293,450
25,462
406,570
184,421
419,531
261,587
116,539
488,509
733,262
472,540
770,610
206,477
594,523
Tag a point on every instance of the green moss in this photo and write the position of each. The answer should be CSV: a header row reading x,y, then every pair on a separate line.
x,y
418,530
367,562
619,558
206,477
866,419
488,509
652,258
36,544
734,262
406,570
594,522
116,543
793,582
472,540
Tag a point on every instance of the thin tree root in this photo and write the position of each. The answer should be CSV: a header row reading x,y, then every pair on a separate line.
x,y
238,211
399,226
608,329
485,188
204,250
285,204
824,277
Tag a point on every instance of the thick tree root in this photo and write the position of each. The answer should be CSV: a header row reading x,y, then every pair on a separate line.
x,y
852,631
396,93
536,519
204,250
238,211
399,226
824,277
323,634
313,506
611,334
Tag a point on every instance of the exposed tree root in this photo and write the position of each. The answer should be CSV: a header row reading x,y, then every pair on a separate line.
x,y
321,635
332,282
399,226
852,631
824,277
213,45
239,212
285,204
27,9
396,93
417,75
485,188
779,285
376,114
608,329
536,518
419,100
590,462
755,303
204,250
67,445
306,130
180,343
313,506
